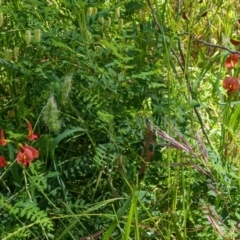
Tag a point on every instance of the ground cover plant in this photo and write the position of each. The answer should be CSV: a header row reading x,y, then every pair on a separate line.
x,y
119,119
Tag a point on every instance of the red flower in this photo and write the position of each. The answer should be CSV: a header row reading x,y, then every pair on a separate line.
x,y
26,154
31,136
234,41
231,84
232,61
2,162
3,141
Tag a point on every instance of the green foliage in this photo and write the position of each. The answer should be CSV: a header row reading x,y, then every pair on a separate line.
x,y
138,138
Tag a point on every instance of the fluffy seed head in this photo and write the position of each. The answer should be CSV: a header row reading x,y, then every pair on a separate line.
x,y
66,88
51,115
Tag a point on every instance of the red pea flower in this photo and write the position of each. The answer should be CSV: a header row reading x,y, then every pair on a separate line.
x,y
231,84
234,41
31,136
231,61
2,162
3,141
27,154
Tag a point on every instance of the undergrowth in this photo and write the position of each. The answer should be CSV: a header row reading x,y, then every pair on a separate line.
x,y
137,106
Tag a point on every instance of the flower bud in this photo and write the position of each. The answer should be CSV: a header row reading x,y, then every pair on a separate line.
x,y
88,37
8,54
120,24
28,37
16,52
108,23
141,15
117,13
90,11
1,19
101,20
37,35
66,88
94,10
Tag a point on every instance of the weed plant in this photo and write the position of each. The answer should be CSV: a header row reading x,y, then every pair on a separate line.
x,y
137,107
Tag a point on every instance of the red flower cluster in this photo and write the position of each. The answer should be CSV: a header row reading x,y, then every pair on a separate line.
x,y
232,61
3,142
31,136
231,84
234,41
26,154
2,162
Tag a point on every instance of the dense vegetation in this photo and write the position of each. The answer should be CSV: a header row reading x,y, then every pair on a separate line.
x,y
119,119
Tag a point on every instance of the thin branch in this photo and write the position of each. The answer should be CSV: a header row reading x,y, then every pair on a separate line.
x,y
154,17
192,95
217,46
202,125
182,56
213,45
93,236
178,60
183,69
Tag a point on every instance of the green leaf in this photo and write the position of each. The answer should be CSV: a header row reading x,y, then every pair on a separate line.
x,y
235,118
120,213
60,137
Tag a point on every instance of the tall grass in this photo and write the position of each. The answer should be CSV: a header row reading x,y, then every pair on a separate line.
x,y
138,138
